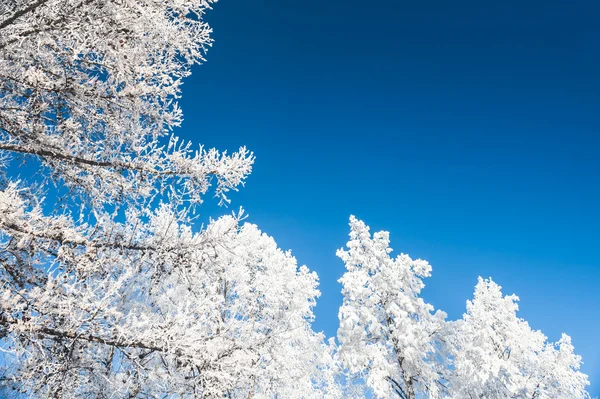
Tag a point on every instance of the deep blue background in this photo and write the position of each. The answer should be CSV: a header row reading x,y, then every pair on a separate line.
x,y
470,130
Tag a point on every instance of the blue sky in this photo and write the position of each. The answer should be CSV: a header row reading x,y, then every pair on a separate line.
x,y
469,130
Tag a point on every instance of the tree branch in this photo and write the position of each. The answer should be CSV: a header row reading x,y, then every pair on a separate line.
x,y
52,153
20,13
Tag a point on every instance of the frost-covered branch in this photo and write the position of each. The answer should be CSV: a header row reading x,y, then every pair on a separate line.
x,y
90,87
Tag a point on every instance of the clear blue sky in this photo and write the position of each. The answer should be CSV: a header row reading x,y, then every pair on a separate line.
x,y
469,130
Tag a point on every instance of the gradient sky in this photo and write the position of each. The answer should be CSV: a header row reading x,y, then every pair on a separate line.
x,y
469,130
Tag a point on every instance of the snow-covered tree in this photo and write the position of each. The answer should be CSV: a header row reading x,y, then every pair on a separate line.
x,y
496,355
388,335
222,312
390,338
108,288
